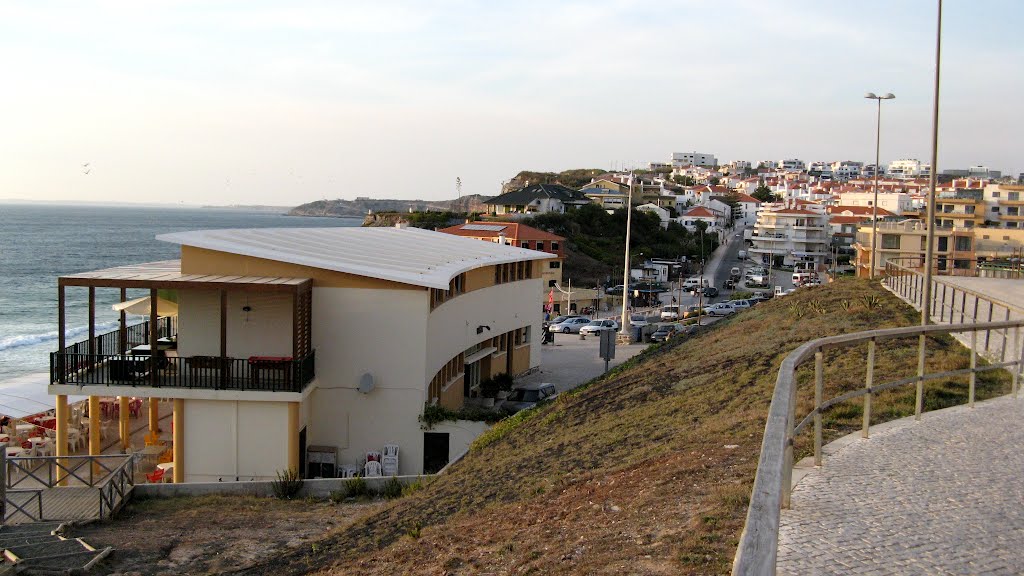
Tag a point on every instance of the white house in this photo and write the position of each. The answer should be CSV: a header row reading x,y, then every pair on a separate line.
x,y
293,337
662,213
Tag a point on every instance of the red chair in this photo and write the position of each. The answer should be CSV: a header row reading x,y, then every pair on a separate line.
x,y
156,476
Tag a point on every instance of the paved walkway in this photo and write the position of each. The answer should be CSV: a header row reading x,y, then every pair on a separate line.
x,y
939,496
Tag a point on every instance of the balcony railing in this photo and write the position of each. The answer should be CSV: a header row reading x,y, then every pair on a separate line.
x,y
110,343
256,373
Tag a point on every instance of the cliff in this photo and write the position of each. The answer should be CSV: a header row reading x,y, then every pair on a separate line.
x,y
361,207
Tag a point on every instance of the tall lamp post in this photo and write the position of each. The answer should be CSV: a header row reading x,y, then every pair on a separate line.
x,y
933,174
874,205
624,329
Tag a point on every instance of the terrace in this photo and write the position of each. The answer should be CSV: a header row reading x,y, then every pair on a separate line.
x,y
272,355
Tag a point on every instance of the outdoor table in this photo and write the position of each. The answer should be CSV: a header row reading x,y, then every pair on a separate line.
x,y
15,451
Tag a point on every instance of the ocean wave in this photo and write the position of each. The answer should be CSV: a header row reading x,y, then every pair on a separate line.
x,y
23,340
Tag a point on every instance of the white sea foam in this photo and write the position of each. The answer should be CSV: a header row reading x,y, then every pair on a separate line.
x,y
23,340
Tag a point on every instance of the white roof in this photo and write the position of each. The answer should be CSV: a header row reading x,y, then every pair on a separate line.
x,y
407,255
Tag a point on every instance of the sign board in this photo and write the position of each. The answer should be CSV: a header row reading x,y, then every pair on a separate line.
x,y
607,349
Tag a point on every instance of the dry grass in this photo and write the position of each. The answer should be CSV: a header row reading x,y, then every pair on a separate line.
x,y
645,471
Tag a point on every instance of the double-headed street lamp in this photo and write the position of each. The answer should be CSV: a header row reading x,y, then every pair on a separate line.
x,y
874,205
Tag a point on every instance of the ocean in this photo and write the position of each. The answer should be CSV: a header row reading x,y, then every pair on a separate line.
x,y
39,242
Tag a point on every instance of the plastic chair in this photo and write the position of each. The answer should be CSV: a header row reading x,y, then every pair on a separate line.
x,y
156,476
373,455
390,450
372,469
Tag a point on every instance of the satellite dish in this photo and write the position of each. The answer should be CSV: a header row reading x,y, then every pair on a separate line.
x,y
365,383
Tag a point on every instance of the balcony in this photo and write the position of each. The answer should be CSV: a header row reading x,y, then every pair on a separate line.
x,y
136,367
1008,202
1012,217
155,354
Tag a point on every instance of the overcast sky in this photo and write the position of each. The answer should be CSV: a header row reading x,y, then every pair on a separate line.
x,y
287,102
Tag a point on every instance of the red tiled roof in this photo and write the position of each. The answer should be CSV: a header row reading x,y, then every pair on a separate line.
x,y
858,210
512,231
699,211
741,197
795,211
839,219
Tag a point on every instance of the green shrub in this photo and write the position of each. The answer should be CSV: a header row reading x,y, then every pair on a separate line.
x,y
337,496
357,487
412,487
392,488
287,484
435,414
504,381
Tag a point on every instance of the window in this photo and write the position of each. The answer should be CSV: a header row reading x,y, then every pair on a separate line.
x,y
943,243
995,194
551,283
540,245
963,243
554,264
1013,196
524,244
995,209
969,209
526,334
890,241
554,246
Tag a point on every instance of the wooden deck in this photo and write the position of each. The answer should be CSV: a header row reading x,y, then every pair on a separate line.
x,y
27,479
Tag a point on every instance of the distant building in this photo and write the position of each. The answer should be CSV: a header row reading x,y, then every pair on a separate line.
x,y
537,199
791,165
895,202
953,249
1004,205
908,168
790,232
680,159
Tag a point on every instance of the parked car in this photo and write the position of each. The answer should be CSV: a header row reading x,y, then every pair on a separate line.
x,y
525,396
691,311
720,309
690,284
729,284
596,326
670,313
638,320
570,325
710,291
665,331
741,255
560,319
740,305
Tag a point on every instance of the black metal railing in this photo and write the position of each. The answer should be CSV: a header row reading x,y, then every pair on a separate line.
x,y
110,343
256,373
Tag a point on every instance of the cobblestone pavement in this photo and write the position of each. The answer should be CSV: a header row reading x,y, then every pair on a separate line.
x,y
940,496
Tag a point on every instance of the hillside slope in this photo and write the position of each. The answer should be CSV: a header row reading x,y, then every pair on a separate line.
x,y
647,470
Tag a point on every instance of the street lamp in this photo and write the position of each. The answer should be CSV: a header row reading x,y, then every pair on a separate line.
x,y
874,207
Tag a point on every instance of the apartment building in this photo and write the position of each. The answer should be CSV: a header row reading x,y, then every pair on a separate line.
x,y
960,208
893,202
953,248
680,159
1004,205
788,233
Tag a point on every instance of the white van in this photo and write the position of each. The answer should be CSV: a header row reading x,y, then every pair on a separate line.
x,y
670,313
801,277
692,283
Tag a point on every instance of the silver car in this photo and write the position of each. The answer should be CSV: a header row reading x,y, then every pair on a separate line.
x,y
527,396
570,326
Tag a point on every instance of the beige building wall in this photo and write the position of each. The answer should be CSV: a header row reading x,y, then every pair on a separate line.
x,y
225,440
266,330
502,308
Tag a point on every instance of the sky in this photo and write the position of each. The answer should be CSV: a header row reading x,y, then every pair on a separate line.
x,y
281,103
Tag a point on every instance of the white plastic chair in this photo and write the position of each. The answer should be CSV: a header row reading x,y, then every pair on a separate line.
x,y
348,471
391,450
373,455
372,469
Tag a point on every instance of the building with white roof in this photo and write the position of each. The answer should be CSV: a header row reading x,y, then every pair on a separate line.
x,y
337,338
